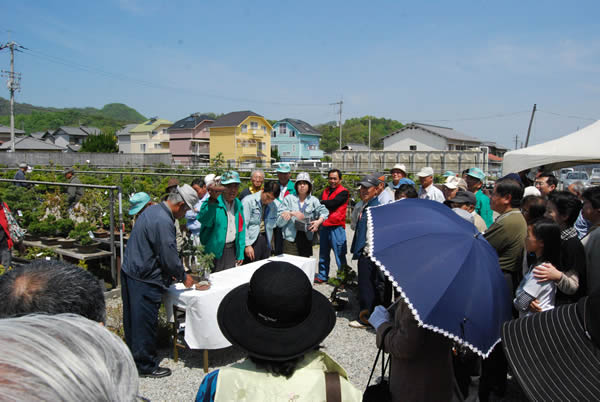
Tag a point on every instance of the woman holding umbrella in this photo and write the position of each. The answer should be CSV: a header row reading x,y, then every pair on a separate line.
x,y
300,217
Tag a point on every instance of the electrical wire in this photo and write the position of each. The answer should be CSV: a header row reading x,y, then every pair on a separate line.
x,y
567,116
149,84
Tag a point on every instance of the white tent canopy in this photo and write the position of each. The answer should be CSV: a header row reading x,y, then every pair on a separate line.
x,y
580,147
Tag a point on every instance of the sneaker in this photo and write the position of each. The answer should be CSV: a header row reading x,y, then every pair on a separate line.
x,y
319,280
357,324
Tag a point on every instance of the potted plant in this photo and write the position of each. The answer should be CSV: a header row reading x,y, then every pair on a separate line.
x,y
345,277
199,263
64,227
47,230
81,232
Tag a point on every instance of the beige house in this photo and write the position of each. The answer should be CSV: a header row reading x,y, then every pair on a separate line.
x,y
150,137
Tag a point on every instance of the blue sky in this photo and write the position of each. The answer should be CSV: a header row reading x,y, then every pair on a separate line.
x,y
476,66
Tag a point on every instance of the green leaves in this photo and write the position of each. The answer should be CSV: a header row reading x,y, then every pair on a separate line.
x,y
356,130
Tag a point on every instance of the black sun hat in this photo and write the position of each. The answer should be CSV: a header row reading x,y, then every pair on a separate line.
x,y
555,354
278,315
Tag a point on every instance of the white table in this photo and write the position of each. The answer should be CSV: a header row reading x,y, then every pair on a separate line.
x,y
201,327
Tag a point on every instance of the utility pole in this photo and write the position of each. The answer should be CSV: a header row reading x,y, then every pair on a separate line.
x,y
340,103
516,141
369,142
530,122
13,84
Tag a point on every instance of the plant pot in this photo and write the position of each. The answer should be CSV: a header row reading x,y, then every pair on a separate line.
x,y
31,237
67,243
101,233
87,248
49,241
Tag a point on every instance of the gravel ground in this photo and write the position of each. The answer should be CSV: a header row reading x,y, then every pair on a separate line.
x,y
353,348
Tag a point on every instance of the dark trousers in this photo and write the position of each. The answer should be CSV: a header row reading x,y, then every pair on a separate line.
x,y
373,287
141,302
261,249
495,367
302,246
227,260
278,240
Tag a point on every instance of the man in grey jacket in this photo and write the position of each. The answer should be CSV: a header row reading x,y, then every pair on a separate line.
x,y
150,265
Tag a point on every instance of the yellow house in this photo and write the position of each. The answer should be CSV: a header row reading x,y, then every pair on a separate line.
x,y
150,137
242,137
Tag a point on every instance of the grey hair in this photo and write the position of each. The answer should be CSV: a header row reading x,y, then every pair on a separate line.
x,y
259,172
578,187
64,357
175,197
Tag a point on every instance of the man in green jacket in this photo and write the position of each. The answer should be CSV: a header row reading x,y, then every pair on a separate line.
x,y
223,230
475,179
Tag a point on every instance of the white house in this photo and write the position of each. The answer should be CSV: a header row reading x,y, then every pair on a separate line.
x,y
426,137
124,139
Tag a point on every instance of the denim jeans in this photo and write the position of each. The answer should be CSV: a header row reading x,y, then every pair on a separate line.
x,y
332,237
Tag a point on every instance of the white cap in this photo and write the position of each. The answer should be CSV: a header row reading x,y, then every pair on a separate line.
x,y
451,182
211,179
189,195
426,171
399,166
531,190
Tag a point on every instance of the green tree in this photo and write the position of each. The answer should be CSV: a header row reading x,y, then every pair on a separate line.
x,y
356,130
104,142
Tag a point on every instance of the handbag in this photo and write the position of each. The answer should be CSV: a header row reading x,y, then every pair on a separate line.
x,y
16,232
380,392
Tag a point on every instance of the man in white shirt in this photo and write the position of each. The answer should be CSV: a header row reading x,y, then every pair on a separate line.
x,y
428,191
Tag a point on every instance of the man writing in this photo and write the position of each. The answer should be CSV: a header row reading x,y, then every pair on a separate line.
x,y
260,216
257,179
333,230
223,231
150,265
475,179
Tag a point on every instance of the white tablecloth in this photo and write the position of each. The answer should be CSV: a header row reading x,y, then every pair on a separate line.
x,y
201,327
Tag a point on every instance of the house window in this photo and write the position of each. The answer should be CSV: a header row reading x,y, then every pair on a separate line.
x,y
154,132
292,133
264,129
283,128
254,125
413,147
274,133
164,131
157,146
244,128
142,147
293,147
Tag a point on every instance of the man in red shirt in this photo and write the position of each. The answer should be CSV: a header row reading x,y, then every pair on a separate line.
x,y
333,231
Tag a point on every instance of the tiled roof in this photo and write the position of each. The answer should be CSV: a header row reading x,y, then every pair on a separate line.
x,y
446,132
6,129
31,144
302,126
233,119
190,122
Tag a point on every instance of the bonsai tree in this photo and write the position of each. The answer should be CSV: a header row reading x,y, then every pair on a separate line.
x,y
81,233
46,227
64,226
196,259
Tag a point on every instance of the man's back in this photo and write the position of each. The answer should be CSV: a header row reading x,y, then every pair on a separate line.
x,y
151,253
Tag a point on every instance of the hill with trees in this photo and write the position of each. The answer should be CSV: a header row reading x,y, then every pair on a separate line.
x,y
37,118
356,131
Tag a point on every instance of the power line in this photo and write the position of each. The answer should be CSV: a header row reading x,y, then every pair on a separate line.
x,y
494,116
568,116
153,85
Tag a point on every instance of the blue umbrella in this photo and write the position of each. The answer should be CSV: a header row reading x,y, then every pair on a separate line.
x,y
445,270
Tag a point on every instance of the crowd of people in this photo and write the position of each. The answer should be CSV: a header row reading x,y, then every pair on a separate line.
x,y
546,241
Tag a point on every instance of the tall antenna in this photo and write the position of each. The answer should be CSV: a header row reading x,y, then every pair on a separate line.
x,y
340,103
